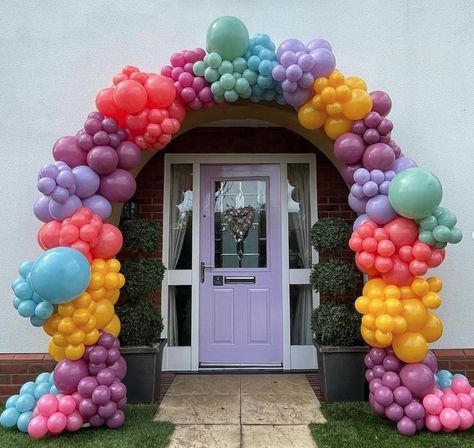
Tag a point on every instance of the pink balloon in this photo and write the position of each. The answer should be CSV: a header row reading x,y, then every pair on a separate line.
x,y
467,419
67,404
460,385
381,102
118,186
451,401
349,148
102,159
74,421
37,427
450,419
466,401
432,404
378,156
67,149
433,423
47,405
129,154
57,423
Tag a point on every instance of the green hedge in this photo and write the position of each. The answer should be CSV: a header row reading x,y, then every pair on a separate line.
x,y
142,276
332,277
329,233
141,235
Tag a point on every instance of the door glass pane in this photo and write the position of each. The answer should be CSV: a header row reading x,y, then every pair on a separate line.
x,y
240,227
179,315
301,305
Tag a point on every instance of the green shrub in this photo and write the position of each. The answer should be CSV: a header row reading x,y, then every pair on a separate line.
x,y
141,235
336,325
142,276
332,277
329,233
142,323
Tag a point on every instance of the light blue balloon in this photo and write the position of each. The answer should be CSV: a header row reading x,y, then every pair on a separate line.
x,y
459,375
54,390
37,321
16,302
11,402
16,282
25,268
444,374
43,378
25,403
27,308
9,417
28,388
23,290
44,310
443,383
42,389
51,379
60,274
24,420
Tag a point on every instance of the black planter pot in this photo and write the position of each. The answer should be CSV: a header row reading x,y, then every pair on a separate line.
x,y
143,372
342,371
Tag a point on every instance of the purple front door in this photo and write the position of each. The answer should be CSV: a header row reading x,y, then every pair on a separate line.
x,y
240,247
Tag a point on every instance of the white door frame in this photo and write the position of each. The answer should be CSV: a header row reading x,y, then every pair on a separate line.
x,y
187,358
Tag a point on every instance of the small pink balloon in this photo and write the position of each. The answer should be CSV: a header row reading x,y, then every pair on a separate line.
x,y
451,401
37,427
47,405
433,423
466,419
74,421
67,404
450,418
57,423
460,385
432,404
466,401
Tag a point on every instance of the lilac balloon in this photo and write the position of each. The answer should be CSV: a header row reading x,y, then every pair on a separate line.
x,y
356,204
60,195
62,211
119,368
391,363
318,43
384,396
98,204
378,156
87,408
349,148
325,62
108,409
102,159
361,176
87,181
391,380
118,186
415,410
68,373
46,185
49,170
347,172
403,163
431,361
380,210
86,386
394,412
41,209
377,176
293,45
129,154
65,179
116,421
118,390
381,102
357,191
402,395
377,407
418,378
383,187
68,150
359,221
406,426
298,97
370,189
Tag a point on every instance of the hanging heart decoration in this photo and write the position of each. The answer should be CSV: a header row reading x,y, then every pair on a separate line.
x,y
239,221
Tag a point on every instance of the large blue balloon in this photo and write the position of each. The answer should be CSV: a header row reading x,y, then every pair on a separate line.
x,y
60,274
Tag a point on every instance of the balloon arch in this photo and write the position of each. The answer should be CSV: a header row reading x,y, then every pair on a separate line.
x,y
71,289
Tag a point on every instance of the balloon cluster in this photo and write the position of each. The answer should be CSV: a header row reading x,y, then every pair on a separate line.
x,y
85,232
54,414
393,251
299,65
336,103
373,128
450,408
145,104
19,408
438,229
401,316
396,389
261,59
38,289
106,280
444,378
194,91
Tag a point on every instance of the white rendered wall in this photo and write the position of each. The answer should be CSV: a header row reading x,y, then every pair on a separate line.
x,y
55,56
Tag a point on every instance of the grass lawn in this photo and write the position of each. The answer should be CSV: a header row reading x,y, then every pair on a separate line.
x,y
139,431
355,425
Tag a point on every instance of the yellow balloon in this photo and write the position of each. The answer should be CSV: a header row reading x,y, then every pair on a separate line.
x,y
358,106
376,307
354,82
399,324
384,339
410,347
384,323
343,93
392,292
431,300
335,127
369,321
435,284
57,353
103,313
92,337
320,84
374,284
336,78
114,327
74,352
420,286
362,304
415,314
393,306
310,118
369,337
433,328
76,338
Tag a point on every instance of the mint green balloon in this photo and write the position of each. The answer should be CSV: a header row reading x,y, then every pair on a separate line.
x,y
213,60
226,67
199,67
229,37
211,74
227,81
241,85
231,96
415,193
239,64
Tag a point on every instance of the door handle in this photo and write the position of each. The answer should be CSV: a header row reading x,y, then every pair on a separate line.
x,y
203,268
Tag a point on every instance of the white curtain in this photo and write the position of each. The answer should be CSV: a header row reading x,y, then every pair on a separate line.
x,y
180,213
299,223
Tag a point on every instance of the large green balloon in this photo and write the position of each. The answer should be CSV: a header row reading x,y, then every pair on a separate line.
x,y
415,193
229,37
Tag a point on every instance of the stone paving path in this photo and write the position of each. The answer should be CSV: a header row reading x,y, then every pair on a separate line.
x,y
241,411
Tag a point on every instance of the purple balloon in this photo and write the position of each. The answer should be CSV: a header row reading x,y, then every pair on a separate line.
x,y
356,204
67,149
106,340
102,159
101,395
431,361
87,408
402,395
378,156
394,412
113,355
318,43
377,407
41,209
108,409
106,377
369,363
129,154
85,142
60,195
98,204
374,384
380,210
381,102
403,163
68,373
119,368
415,410
325,62
378,371
370,189
118,390
359,221
349,148
391,363
377,355
420,424
384,396
418,378
94,369
96,420
293,45
46,185
98,355
87,181
118,186
369,375
86,386
361,176
406,426
62,211
116,421
391,380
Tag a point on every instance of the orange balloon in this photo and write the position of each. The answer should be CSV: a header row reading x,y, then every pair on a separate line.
x,y
410,347
433,329
415,313
335,127
310,118
358,106
161,91
130,96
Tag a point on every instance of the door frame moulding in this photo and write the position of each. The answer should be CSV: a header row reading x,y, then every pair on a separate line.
x,y
187,358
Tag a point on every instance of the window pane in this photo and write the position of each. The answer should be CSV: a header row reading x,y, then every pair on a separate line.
x,y
240,228
301,305
181,216
299,215
179,328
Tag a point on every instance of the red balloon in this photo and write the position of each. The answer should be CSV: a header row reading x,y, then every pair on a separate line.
x,y
109,243
177,110
405,253
366,259
105,103
385,248
137,123
437,257
48,235
399,275
418,267
421,251
402,231
371,271
369,244
383,264
130,96
161,91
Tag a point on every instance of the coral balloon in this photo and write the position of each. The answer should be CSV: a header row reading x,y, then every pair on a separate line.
x,y
160,90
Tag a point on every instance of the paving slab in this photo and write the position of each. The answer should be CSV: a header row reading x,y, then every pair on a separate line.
x,y
277,436
276,385
205,436
205,385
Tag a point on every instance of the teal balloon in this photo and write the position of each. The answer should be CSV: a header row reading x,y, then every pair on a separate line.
x,y
229,37
456,236
9,417
426,237
447,219
428,223
415,193
60,275
231,96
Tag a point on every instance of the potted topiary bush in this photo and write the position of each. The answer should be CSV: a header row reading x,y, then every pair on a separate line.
x,y
142,323
336,325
